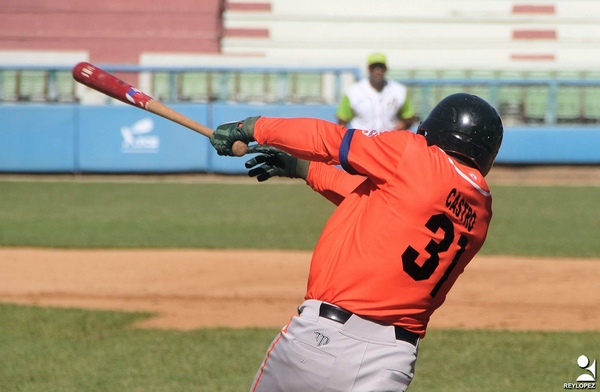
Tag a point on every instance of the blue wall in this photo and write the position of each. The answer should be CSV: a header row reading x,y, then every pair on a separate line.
x,y
550,145
37,137
119,138
124,139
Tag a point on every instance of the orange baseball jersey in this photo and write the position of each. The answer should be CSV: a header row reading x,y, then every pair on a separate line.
x,y
398,241
332,183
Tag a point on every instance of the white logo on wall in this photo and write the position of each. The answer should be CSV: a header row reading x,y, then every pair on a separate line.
x,y
586,380
136,138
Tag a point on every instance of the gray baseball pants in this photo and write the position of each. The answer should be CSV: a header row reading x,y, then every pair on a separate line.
x,y
313,353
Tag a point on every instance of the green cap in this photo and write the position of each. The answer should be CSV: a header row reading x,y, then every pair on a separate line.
x,y
376,58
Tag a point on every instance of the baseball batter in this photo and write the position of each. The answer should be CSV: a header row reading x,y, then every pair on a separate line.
x,y
413,210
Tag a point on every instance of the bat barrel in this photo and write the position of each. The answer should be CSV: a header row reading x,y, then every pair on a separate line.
x,y
100,80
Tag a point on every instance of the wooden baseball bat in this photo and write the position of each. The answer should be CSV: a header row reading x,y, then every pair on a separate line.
x,y
102,81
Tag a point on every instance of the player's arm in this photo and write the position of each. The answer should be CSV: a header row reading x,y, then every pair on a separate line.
x,y
344,111
406,114
332,183
305,138
372,154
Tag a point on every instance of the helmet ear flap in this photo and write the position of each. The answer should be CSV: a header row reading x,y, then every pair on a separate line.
x,y
420,130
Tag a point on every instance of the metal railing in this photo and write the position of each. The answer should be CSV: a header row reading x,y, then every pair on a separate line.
x,y
520,100
550,101
181,84
36,84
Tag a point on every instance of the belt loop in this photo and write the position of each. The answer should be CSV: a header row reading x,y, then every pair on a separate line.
x,y
309,309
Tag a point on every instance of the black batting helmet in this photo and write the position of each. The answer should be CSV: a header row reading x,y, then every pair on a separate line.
x,y
465,125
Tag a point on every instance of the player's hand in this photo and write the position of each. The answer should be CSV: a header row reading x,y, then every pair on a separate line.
x,y
228,133
274,162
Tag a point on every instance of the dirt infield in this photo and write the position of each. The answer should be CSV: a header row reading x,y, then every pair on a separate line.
x,y
190,289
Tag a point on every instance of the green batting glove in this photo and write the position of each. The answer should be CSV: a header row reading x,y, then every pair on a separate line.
x,y
274,162
228,133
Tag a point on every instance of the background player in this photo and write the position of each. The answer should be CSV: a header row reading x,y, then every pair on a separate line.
x,y
375,103
392,249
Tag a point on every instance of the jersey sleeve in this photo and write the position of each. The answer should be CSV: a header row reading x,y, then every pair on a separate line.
x,y
344,111
406,110
305,138
370,153
332,183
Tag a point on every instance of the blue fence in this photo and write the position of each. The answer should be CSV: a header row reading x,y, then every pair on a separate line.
x,y
71,138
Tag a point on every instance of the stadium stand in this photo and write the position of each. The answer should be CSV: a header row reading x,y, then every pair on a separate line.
x,y
443,42
428,34
112,31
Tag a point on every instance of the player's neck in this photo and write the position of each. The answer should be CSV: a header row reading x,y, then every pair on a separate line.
x,y
462,160
378,85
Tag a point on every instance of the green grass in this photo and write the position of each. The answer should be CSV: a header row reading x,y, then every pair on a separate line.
x,y
544,221
142,215
499,361
75,350
532,221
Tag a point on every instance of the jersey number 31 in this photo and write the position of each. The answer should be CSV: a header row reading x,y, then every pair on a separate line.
x,y
423,272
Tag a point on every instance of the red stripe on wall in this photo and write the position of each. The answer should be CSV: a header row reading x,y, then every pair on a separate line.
x,y
533,9
174,26
534,34
253,7
533,57
247,33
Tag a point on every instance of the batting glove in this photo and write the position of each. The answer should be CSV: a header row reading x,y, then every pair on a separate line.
x,y
228,133
274,162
